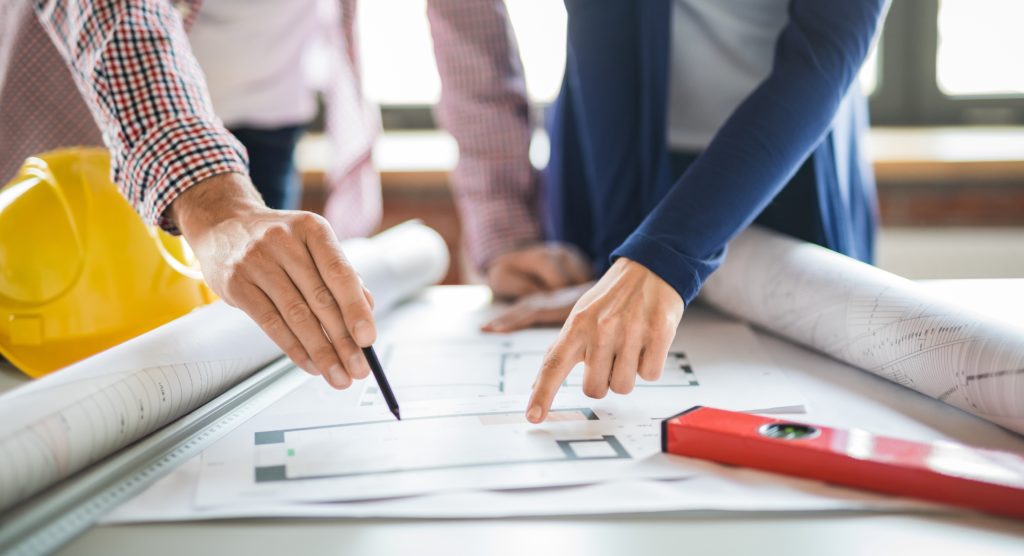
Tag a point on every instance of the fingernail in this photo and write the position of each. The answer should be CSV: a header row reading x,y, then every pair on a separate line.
x,y
534,414
363,333
310,368
358,363
337,375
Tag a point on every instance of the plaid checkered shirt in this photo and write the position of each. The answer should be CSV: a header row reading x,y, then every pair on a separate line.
x,y
134,85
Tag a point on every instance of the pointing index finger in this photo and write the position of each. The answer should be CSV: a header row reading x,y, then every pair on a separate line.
x,y
343,281
558,363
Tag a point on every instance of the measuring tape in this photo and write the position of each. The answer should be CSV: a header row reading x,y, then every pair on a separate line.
x,y
68,509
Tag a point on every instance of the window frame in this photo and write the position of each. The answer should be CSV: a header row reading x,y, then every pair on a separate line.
x,y
908,90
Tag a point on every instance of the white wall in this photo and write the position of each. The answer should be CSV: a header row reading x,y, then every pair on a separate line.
x,y
922,253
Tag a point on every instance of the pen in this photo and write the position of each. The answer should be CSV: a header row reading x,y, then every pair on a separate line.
x,y
382,381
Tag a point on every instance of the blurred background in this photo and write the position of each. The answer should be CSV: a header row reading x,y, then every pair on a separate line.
x,y
946,87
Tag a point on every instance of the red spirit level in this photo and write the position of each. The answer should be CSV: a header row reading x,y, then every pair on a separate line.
x,y
985,480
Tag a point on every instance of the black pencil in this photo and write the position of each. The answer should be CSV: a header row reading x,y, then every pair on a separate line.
x,y
382,381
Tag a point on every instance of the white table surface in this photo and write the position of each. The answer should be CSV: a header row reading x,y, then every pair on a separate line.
x,y
835,393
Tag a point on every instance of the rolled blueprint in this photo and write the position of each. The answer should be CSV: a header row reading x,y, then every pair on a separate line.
x,y
876,321
60,423
398,262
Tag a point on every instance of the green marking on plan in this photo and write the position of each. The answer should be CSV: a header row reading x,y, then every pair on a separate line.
x,y
291,452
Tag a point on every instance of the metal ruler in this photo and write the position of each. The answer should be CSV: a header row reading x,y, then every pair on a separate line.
x,y
57,515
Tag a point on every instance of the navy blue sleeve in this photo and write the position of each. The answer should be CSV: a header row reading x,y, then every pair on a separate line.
x,y
761,146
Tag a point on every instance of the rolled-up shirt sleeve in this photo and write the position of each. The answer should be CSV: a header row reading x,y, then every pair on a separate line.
x,y
132,63
761,145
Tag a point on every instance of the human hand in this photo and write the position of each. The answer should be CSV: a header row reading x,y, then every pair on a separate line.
x,y
537,268
286,270
539,309
620,328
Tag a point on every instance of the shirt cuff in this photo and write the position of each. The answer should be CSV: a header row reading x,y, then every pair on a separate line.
x,y
170,159
495,225
684,273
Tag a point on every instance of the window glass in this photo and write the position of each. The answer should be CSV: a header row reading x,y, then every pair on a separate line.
x,y
398,56
397,53
540,28
869,72
980,47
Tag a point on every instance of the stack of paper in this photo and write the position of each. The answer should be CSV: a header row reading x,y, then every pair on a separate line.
x,y
464,448
316,452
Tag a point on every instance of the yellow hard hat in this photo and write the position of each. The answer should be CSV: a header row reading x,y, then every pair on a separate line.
x,y
79,270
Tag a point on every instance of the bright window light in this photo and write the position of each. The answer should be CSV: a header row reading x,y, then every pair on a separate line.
x,y
869,73
980,47
398,54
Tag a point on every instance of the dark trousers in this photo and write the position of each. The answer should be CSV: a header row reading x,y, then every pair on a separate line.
x,y
272,163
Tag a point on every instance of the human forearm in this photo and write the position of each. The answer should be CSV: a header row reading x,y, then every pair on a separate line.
x,y
132,61
484,106
760,146
285,269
